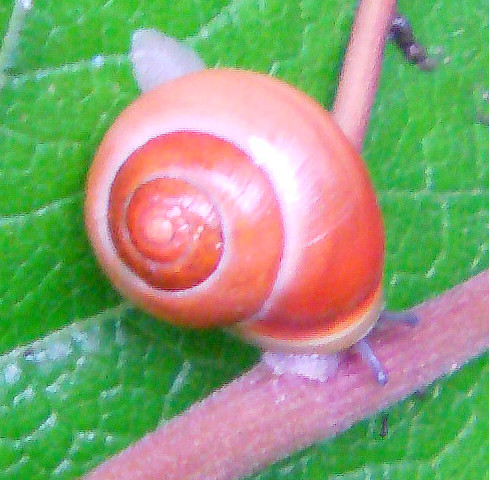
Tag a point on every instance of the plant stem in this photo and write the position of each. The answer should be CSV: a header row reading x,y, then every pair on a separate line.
x,y
361,68
261,417
11,38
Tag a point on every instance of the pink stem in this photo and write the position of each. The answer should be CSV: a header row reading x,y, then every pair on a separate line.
x,y
361,68
261,417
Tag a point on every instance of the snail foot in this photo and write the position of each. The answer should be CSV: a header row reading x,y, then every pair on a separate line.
x,y
313,366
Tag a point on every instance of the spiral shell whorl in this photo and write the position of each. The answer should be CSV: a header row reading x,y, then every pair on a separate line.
x,y
165,229
169,232
180,231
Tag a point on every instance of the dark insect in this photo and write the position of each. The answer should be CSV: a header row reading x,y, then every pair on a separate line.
x,y
384,429
402,34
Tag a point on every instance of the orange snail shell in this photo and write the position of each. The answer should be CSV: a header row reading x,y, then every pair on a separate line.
x,y
268,209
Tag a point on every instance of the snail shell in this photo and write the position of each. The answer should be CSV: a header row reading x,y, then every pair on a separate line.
x,y
227,197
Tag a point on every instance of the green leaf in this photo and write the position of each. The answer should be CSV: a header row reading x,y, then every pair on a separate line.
x,y
82,374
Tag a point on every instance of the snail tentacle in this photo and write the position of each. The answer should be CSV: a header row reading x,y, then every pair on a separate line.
x,y
157,58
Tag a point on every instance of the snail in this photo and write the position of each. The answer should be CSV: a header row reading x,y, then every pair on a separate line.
x,y
229,198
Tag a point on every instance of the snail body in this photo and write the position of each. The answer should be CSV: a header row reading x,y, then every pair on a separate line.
x,y
230,198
